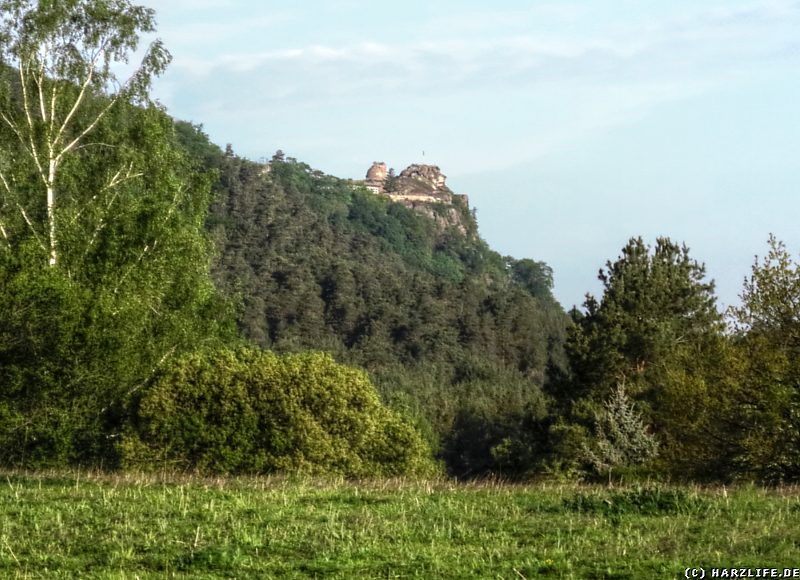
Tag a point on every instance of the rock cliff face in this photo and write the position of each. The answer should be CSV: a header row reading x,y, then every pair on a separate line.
x,y
424,181
376,177
422,188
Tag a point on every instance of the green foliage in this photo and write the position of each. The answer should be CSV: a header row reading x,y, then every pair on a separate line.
x,y
771,297
104,264
132,289
106,250
620,437
80,41
41,322
657,330
79,525
651,303
767,335
535,277
65,56
206,154
495,427
433,314
249,411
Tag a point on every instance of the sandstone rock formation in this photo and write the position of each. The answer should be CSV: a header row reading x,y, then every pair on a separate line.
x,y
430,174
421,188
378,171
376,177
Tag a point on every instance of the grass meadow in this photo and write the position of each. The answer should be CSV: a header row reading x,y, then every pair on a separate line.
x,y
67,525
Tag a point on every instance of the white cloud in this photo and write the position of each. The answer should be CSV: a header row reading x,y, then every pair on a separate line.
x,y
713,44
584,83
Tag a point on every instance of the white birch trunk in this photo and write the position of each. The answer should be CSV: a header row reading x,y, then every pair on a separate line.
x,y
51,215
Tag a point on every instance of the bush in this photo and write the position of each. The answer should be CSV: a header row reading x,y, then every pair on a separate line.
x,y
621,438
250,411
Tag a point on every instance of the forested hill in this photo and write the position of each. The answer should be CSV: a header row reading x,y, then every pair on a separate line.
x,y
451,329
131,247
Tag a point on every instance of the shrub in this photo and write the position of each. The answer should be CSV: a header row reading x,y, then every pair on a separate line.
x,y
250,411
621,438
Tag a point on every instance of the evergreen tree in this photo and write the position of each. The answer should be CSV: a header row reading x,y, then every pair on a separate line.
x,y
651,305
439,319
620,436
655,329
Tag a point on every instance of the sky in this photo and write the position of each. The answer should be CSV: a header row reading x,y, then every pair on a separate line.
x,y
571,125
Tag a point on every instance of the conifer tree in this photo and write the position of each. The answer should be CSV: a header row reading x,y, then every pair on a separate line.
x,y
655,329
621,438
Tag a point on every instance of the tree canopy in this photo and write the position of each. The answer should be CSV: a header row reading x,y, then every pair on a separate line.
x,y
655,331
167,304
64,54
767,339
104,262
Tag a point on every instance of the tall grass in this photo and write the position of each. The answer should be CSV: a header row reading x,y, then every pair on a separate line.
x,y
64,525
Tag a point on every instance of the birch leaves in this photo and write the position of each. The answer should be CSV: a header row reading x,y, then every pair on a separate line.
x,y
59,81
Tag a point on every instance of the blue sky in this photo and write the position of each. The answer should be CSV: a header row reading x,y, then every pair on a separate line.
x,y
572,126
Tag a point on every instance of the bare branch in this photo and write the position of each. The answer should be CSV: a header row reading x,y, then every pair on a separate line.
x,y
88,129
115,180
40,85
31,226
8,189
79,99
175,202
15,128
118,178
100,225
5,182
26,106
144,252
168,354
53,96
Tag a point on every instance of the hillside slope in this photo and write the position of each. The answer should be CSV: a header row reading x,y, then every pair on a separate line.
x,y
455,333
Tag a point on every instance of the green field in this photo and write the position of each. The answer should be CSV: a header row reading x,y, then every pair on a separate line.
x,y
68,525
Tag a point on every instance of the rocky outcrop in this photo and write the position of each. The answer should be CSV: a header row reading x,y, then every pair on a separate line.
x,y
422,188
376,177
445,217
424,180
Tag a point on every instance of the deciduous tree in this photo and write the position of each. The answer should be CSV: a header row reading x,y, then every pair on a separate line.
x,y
767,333
105,272
64,53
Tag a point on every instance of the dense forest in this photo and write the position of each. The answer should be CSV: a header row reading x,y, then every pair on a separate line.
x,y
165,304
452,333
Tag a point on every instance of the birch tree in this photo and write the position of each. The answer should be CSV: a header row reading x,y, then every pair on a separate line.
x,y
64,53
104,263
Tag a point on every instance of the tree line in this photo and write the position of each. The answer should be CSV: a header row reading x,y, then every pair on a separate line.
x,y
165,304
